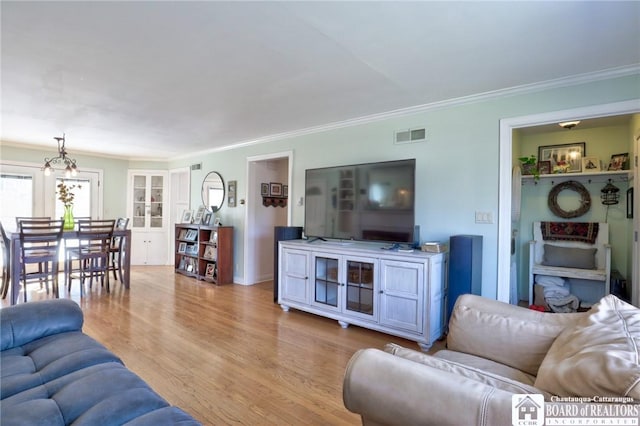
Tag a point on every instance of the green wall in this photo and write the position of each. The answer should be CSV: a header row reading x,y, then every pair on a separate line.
x,y
457,167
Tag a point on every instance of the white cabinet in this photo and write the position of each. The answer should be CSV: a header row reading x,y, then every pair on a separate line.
x,y
359,283
146,206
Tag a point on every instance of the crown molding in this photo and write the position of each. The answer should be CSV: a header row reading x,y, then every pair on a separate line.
x,y
464,100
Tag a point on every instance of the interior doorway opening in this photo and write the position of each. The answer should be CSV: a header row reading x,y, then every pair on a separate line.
x,y
263,173
506,199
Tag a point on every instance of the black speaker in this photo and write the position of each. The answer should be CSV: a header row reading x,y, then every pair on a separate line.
x,y
465,268
282,233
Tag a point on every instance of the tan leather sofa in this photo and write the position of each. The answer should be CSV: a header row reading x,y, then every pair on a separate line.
x,y
495,350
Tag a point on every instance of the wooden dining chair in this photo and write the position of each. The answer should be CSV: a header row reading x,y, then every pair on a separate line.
x,y
116,250
21,218
92,253
6,262
40,242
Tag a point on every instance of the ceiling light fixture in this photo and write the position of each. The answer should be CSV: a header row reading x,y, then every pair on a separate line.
x,y
569,124
70,170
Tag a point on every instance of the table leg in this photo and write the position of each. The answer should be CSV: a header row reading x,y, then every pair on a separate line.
x,y
127,259
15,270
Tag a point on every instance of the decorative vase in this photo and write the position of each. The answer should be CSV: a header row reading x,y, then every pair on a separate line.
x,y
68,217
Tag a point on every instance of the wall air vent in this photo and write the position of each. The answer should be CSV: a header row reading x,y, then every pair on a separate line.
x,y
410,136
196,166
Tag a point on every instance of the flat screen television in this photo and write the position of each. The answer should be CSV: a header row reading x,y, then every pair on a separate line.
x,y
371,202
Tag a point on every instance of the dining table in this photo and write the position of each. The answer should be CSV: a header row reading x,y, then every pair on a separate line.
x,y
14,236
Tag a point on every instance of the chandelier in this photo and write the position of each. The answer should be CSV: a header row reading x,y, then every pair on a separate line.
x,y
70,170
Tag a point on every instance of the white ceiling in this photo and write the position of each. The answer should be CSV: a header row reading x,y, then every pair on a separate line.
x,y
160,79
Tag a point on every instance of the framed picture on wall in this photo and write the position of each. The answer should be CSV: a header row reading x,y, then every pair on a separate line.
x,y
264,189
275,189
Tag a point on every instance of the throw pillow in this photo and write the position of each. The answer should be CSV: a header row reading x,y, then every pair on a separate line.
x,y
597,356
569,257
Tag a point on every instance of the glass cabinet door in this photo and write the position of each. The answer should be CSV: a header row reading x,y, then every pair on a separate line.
x,y
156,202
360,287
326,281
148,202
139,201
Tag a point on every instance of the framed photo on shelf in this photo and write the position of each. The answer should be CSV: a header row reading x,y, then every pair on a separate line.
x,y
213,238
192,249
192,234
209,253
183,234
216,222
186,216
564,158
182,247
264,189
619,162
210,271
590,164
206,219
544,167
197,219
275,189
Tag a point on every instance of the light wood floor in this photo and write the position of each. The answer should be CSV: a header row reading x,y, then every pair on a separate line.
x,y
228,354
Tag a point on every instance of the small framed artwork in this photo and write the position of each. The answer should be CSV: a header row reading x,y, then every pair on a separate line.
x,y
209,272
213,237
619,162
264,189
285,190
186,216
630,203
564,158
231,193
216,222
544,167
197,219
182,247
590,164
275,189
206,219
209,252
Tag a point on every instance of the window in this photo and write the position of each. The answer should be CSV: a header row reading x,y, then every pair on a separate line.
x,y
18,188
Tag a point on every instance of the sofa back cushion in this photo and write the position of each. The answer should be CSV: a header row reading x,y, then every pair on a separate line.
x,y
508,334
597,356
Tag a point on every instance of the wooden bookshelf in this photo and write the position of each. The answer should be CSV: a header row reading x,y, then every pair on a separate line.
x,y
205,252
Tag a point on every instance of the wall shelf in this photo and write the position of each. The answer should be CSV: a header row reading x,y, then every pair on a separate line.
x,y
584,178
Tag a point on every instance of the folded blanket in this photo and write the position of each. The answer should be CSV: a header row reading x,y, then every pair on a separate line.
x,y
546,280
563,304
556,291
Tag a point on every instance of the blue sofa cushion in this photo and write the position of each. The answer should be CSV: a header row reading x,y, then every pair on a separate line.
x,y
63,376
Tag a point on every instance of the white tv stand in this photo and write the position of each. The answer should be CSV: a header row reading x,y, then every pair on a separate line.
x,y
395,292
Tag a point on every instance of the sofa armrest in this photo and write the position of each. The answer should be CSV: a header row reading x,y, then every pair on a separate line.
x,y
24,323
508,334
386,389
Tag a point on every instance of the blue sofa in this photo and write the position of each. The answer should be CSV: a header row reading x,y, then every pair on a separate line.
x,y
54,374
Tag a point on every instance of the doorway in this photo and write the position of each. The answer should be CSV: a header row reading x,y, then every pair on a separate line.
x,y
260,219
507,126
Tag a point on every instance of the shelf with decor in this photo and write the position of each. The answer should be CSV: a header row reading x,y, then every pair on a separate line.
x,y
205,252
586,177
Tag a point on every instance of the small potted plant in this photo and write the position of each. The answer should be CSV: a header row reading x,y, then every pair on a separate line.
x,y
530,166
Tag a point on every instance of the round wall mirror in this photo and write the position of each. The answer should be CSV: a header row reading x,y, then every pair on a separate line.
x,y
213,191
